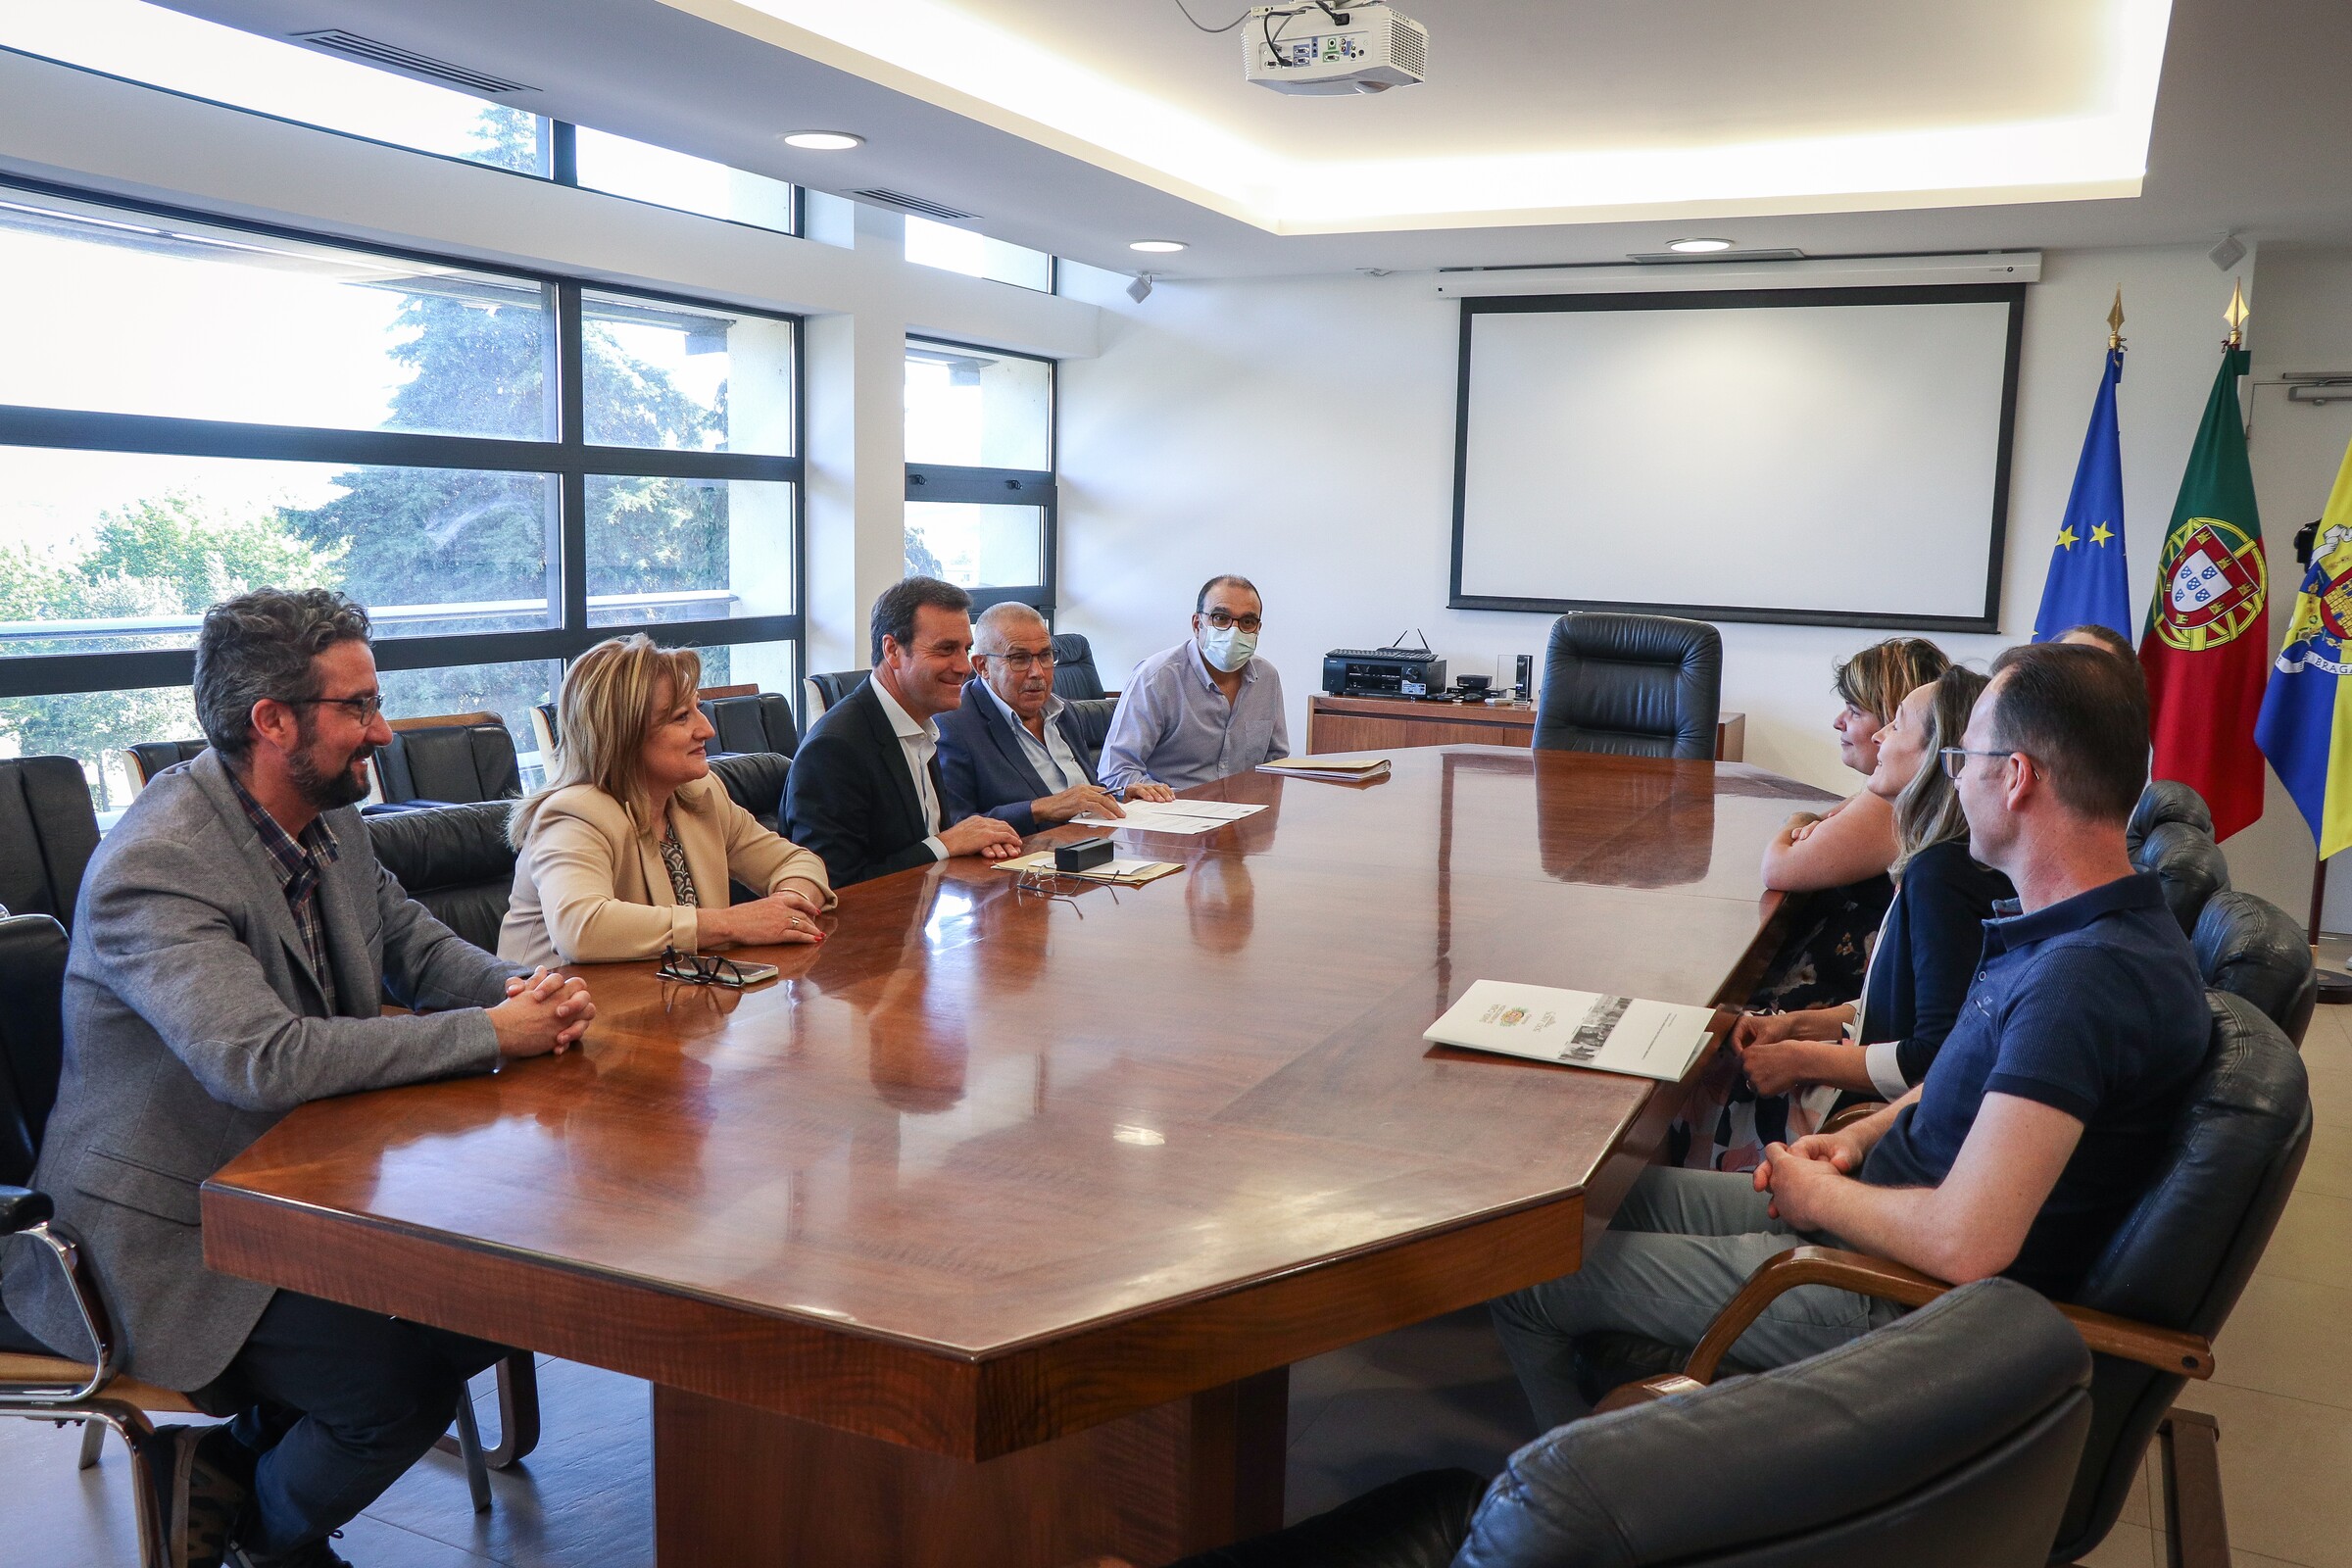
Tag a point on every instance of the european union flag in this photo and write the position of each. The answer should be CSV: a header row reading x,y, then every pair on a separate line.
x,y
2087,581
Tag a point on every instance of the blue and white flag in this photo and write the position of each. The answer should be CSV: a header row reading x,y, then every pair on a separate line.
x,y
2088,582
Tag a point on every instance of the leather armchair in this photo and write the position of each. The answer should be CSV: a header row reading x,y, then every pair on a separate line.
x,y
1944,1439
2167,800
1631,685
48,832
1091,717
451,764
754,781
757,721
454,861
1074,674
150,758
2150,1305
828,689
2251,948
2189,864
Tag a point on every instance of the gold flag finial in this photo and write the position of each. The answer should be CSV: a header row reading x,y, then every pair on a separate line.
x,y
2236,314
2115,321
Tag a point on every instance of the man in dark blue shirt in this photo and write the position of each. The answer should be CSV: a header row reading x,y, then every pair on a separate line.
x,y
2037,1124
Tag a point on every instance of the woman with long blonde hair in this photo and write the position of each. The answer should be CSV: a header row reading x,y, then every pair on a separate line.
x,y
629,848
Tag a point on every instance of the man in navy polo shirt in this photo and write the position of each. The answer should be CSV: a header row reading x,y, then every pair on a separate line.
x,y
2037,1127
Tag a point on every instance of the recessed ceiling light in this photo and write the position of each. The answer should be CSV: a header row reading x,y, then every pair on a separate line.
x,y
823,142
1157,247
1698,247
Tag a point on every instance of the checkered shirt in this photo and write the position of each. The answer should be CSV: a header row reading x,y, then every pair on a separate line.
x,y
295,861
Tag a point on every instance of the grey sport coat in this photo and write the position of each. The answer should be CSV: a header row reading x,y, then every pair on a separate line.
x,y
193,1023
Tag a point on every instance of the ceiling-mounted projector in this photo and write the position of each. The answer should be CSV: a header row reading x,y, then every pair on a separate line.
x,y
1331,49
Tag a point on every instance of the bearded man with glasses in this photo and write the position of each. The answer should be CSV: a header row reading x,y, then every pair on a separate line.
x,y
1205,709
233,949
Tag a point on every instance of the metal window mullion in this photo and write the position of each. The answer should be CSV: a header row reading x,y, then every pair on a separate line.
x,y
989,488
665,463
563,152
571,421
169,436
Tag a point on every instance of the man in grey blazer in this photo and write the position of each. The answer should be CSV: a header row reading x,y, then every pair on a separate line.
x,y
233,949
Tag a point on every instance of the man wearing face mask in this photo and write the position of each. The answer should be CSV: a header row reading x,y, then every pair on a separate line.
x,y
1205,709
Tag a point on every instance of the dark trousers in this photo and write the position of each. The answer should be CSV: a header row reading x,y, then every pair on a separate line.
x,y
335,1404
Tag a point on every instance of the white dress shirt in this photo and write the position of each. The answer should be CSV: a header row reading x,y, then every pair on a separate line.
x,y
921,743
1053,758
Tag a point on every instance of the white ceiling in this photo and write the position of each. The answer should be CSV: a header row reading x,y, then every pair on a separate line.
x,y
2247,129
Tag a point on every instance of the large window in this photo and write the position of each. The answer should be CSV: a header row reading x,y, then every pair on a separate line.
x,y
198,59
980,495
960,250
504,469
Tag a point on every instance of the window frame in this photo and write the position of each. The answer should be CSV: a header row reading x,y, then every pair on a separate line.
x,y
567,458
953,483
561,147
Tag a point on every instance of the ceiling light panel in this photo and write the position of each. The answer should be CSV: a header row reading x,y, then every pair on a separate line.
x,y
1049,90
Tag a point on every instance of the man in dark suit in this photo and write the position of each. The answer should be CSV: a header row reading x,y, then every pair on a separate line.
x,y
865,791
1013,750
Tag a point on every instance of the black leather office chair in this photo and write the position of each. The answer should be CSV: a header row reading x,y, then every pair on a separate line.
x,y
759,721
48,832
2251,948
453,764
1946,1440
150,758
2190,864
2168,800
828,689
2151,1303
1090,716
454,861
1631,685
754,781
1074,674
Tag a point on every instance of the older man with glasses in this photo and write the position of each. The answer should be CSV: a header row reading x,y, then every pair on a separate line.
x,y
1013,750
1205,709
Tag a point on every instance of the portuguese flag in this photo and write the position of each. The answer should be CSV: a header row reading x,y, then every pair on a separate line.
x,y
2206,649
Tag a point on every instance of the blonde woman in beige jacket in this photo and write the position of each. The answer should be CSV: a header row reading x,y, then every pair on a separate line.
x,y
629,846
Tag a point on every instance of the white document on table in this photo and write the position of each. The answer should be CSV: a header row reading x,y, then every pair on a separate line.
x,y
1581,1028
1176,816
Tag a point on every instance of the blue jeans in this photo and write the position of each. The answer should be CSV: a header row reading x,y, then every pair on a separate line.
x,y
335,1403
1683,1244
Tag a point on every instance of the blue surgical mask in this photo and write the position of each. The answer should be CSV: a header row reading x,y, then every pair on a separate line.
x,y
1229,650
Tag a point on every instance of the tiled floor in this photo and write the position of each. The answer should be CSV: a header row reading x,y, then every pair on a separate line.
x,y
1437,1395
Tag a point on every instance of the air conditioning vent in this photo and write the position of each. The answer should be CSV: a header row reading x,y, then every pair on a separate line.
x,y
377,53
914,204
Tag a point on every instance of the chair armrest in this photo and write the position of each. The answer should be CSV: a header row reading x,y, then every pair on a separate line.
x,y
1626,1395
1852,1115
22,1208
2164,1349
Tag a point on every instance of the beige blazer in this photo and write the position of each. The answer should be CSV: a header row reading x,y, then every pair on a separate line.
x,y
589,887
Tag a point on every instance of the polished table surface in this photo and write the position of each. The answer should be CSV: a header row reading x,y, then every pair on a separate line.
x,y
989,1166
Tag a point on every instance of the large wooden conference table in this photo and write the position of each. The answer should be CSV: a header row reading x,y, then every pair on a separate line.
x,y
987,1233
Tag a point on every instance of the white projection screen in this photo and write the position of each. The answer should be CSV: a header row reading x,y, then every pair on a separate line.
x,y
1832,457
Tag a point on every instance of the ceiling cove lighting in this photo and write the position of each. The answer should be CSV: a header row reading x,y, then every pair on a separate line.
x,y
1068,101
1698,247
1157,247
823,142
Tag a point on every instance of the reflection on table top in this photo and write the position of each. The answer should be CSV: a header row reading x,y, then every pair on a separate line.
x,y
979,1116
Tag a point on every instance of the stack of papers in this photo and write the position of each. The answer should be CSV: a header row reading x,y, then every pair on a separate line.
x,y
1347,767
1609,1034
1121,873
1176,816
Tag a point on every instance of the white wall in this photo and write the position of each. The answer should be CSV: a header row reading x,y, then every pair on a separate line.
x,y
1301,432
